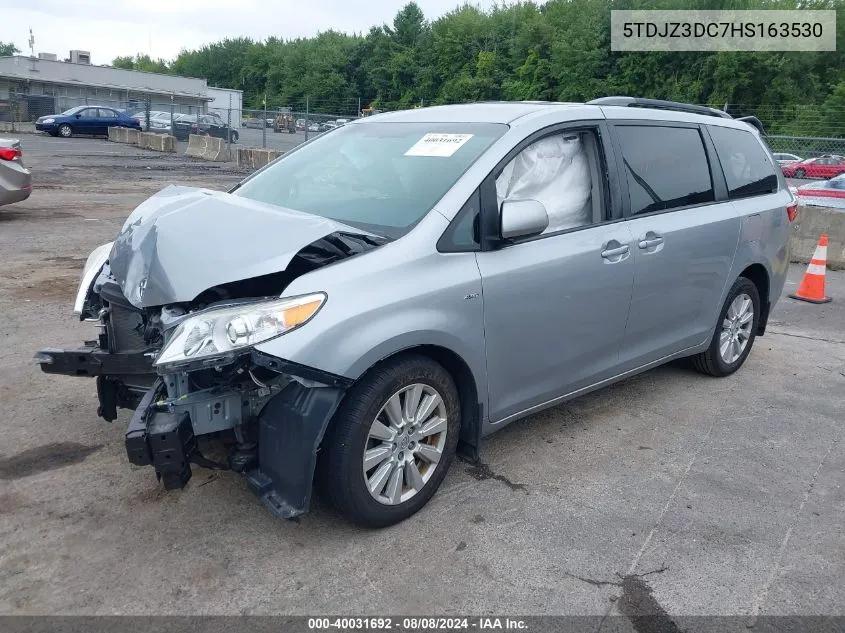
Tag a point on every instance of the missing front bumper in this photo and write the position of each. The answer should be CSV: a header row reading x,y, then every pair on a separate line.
x,y
287,426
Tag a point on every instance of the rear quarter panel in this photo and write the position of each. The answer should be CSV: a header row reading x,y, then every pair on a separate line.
x,y
765,239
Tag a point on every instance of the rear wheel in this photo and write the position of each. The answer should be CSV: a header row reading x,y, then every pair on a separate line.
x,y
65,131
799,173
391,442
735,331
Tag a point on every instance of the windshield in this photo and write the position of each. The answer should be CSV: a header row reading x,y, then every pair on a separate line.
x,y
73,110
380,177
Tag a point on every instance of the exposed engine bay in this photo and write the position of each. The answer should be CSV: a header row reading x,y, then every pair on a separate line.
x,y
183,358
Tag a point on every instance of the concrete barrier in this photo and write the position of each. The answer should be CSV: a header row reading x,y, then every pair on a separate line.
x,y
17,128
207,148
157,142
123,135
255,158
811,223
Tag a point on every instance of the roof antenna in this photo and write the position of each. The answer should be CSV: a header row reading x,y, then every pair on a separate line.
x,y
31,43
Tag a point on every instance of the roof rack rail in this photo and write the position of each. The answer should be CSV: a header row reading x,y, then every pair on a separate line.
x,y
638,102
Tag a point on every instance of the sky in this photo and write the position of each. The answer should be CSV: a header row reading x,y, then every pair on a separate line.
x,y
161,28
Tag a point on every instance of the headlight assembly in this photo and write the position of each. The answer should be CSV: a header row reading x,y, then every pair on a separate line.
x,y
49,121
92,268
218,334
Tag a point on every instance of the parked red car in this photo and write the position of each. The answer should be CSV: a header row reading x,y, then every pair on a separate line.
x,y
824,167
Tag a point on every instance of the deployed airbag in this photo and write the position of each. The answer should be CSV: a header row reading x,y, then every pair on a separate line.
x,y
555,172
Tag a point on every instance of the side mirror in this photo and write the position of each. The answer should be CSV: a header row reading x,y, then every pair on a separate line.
x,y
522,218
78,116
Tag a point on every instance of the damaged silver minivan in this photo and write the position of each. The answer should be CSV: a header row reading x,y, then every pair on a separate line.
x,y
380,298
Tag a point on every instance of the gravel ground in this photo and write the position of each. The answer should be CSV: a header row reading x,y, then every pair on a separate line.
x,y
699,496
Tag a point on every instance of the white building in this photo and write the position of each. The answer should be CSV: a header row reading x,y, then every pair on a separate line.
x,y
225,99
34,86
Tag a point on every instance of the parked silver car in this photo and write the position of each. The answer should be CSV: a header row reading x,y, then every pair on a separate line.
x,y
783,157
15,179
384,296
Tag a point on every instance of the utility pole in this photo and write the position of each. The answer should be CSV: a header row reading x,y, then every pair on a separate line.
x,y
264,123
229,129
307,121
359,107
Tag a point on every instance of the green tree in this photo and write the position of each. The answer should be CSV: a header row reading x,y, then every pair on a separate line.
x,y
141,62
8,49
833,112
559,50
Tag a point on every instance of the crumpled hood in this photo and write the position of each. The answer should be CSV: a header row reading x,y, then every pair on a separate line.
x,y
185,240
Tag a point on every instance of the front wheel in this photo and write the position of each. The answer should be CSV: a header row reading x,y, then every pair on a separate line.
x,y
391,442
735,331
799,173
234,137
65,131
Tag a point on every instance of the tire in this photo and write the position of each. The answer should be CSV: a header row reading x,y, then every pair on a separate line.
x,y
234,137
712,361
341,476
799,173
65,131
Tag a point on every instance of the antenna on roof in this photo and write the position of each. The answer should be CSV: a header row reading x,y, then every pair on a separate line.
x,y
31,43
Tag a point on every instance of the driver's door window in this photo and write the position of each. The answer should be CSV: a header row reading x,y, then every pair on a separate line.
x,y
556,171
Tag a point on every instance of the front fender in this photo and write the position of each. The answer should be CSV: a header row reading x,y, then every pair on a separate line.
x,y
399,296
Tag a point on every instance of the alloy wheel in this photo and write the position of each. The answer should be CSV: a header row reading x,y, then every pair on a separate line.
x,y
404,444
736,328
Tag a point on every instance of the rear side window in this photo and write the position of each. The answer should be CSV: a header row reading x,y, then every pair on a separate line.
x,y
748,170
666,167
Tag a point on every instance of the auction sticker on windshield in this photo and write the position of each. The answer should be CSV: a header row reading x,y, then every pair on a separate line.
x,y
443,145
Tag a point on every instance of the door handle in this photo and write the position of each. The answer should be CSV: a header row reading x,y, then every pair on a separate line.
x,y
648,242
615,252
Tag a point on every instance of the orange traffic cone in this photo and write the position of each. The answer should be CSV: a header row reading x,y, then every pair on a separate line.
x,y
812,285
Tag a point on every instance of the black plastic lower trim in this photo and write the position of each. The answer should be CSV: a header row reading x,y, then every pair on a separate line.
x,y
764,318
291,427
470,436
164,440
137,448
295,369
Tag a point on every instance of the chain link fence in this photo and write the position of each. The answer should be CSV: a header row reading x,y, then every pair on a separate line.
x,y
806,146
283,126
